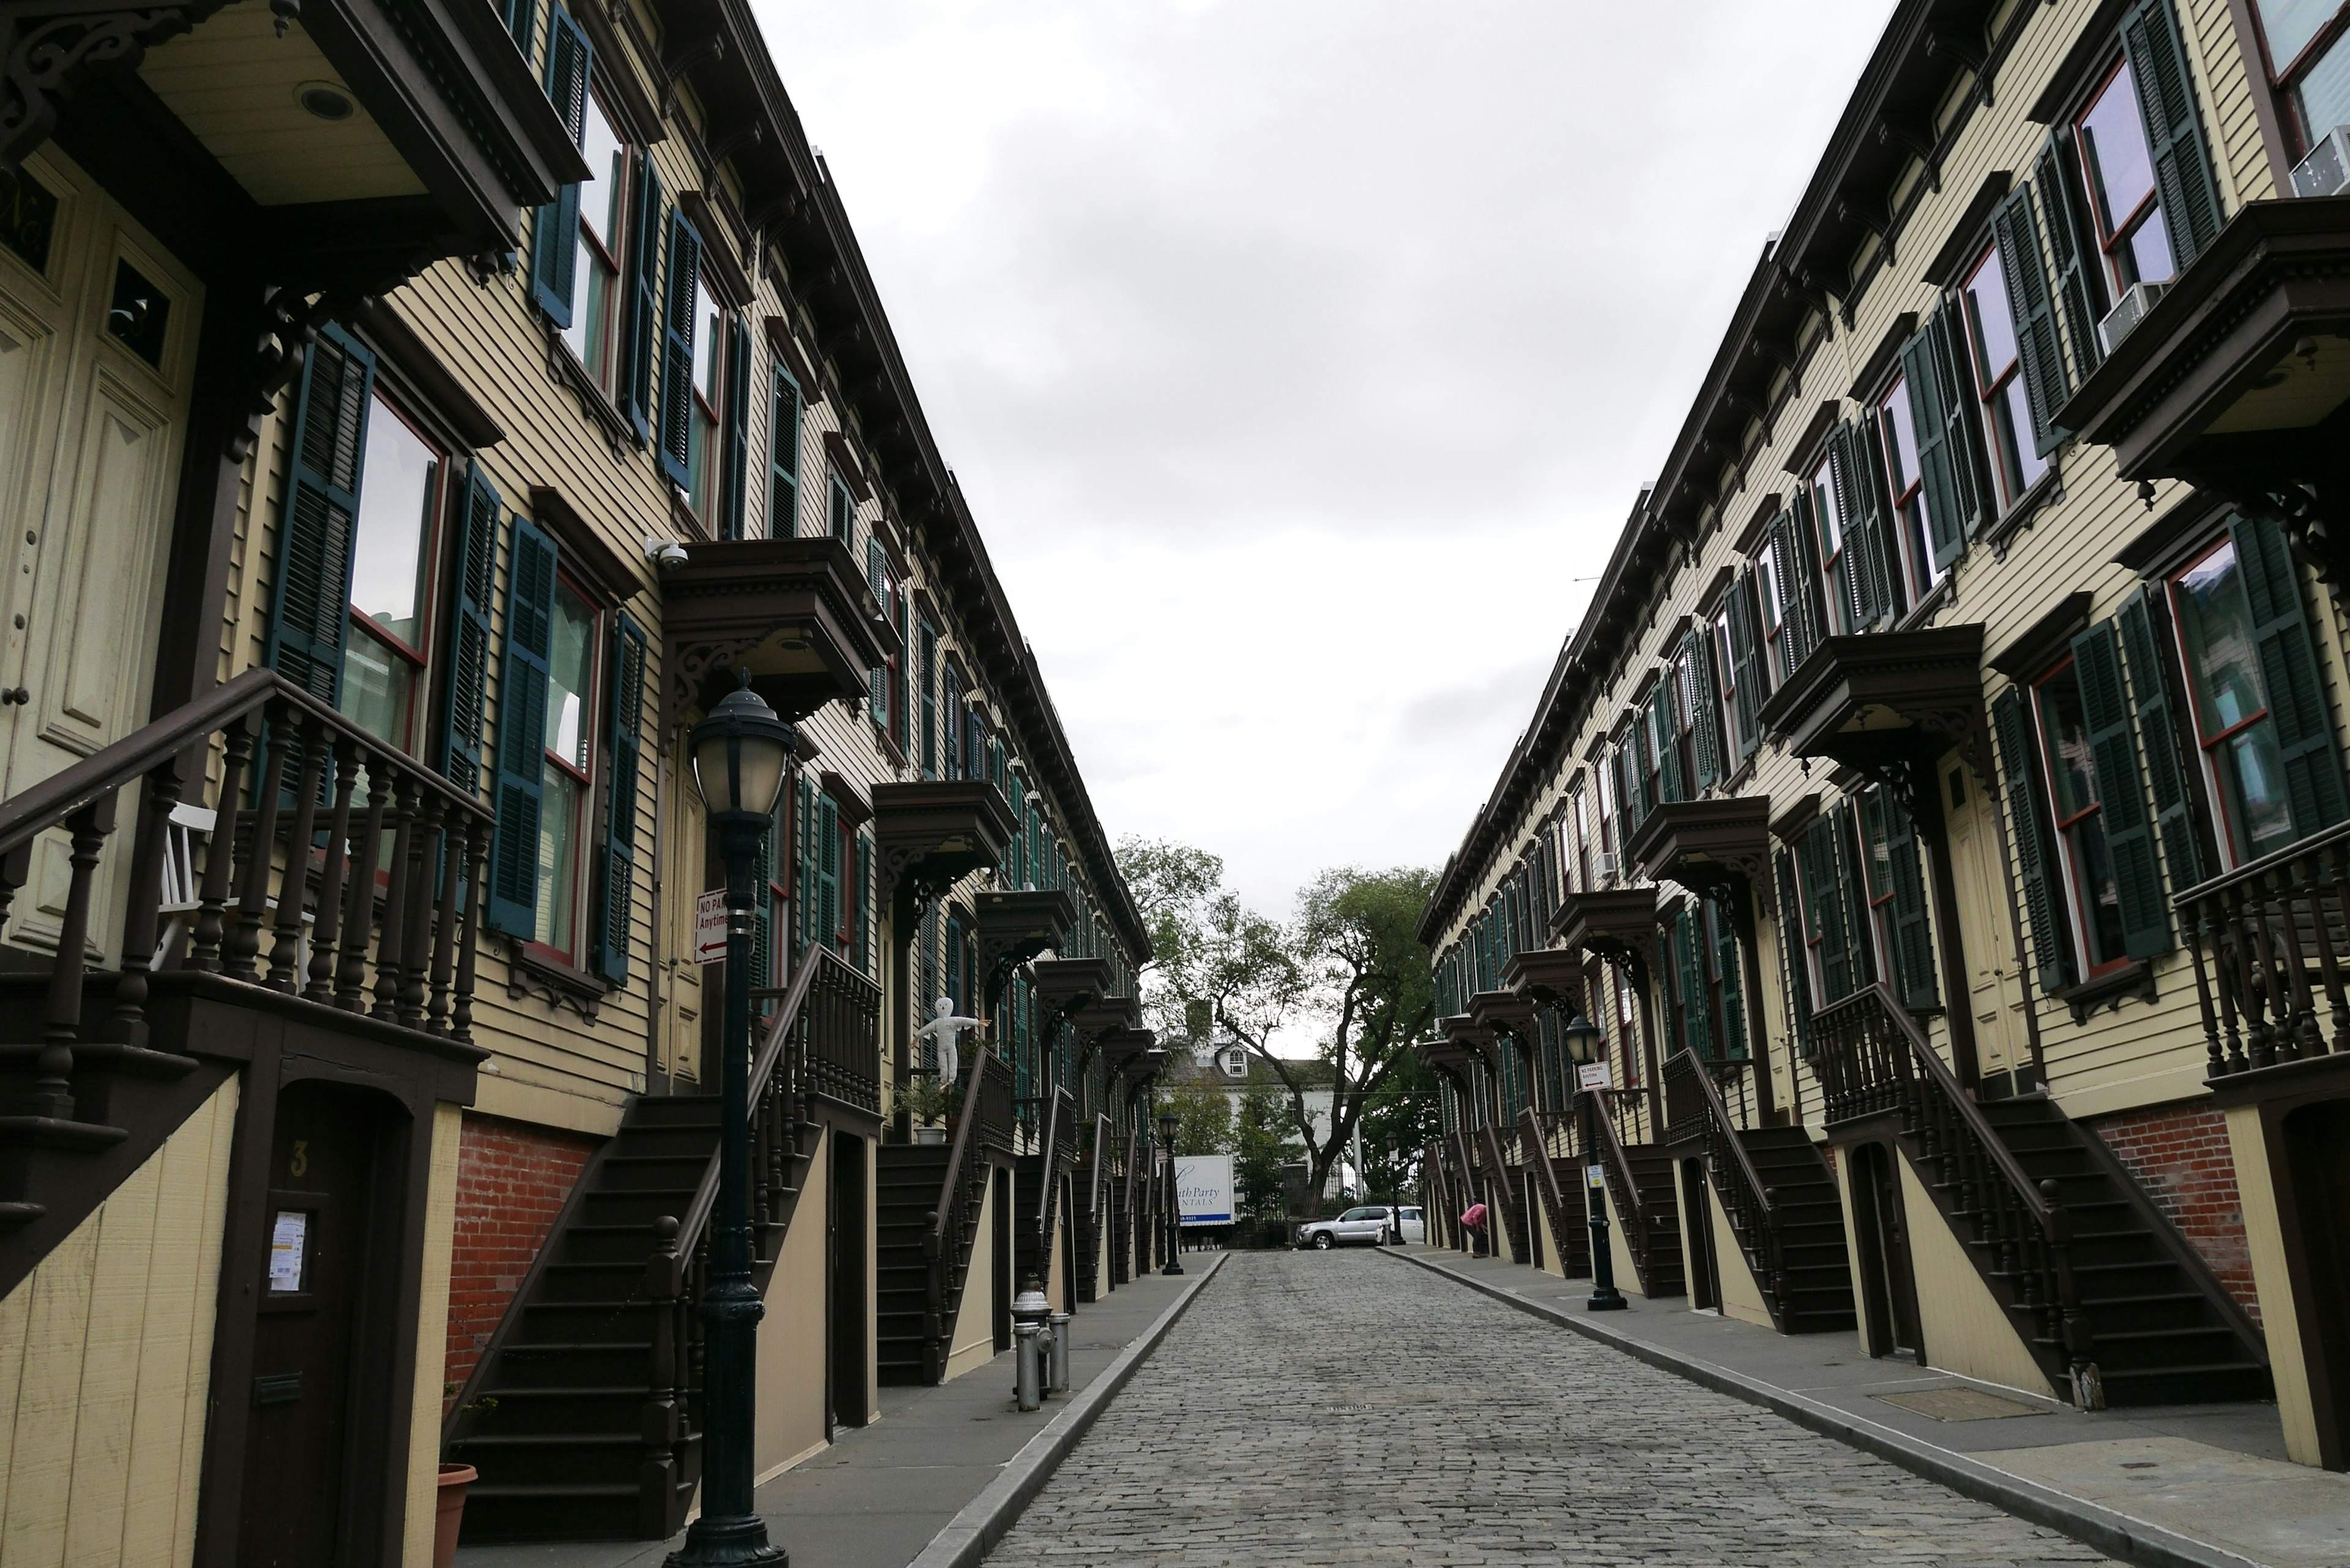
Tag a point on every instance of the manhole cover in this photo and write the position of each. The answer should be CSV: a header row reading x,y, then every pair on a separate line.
x,y
1956,1403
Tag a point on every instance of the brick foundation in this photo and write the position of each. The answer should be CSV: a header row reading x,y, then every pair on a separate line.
x,y
512,1179
2179,1154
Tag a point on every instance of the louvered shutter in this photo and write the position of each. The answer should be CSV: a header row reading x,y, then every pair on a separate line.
x,y
1689,977
2121,792
827,873
1860,497
2146,635
1794,973
738,429
806,903
2040,350
864,902
1913,931
1731,977
783,458
1664,734
2165,101
677,327
762,915
954,976
1850,900
311,613
522,732
1704,711
2289,675
927,674
2060,211
1788,558
1941,410
469,633
624,733
876,679
555,228
1745,665
522,20
2034,835
644,316
1828,918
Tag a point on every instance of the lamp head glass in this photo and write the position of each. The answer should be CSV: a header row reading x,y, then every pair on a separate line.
x,y
740,754
1583,1038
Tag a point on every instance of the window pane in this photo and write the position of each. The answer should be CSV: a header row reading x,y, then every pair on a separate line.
x,y
1901,458
2113,139
1831,520
2028,461
2322,94
707,326
378,688
2149,249
2289,25
558,858
2067,729
570,664
2101,903
2260,817
599,199
2215,621
1987,312
395,514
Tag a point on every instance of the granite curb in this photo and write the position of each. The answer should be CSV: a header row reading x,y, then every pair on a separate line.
x,y
2115,1534
973,1531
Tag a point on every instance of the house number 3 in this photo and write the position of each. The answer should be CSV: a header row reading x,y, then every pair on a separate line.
x,y
300,1164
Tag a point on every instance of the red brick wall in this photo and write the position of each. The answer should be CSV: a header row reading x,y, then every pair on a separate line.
x,y
512,1179
2180,1155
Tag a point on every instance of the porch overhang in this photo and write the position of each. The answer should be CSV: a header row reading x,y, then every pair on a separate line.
x,y
1502,1012
2238,381
1888,704
1066,987
1618,923
1545,976
795,613
1013,926
1708,845
929,835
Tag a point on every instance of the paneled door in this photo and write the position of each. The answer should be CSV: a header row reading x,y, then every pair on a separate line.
x,y
1994,979
97,346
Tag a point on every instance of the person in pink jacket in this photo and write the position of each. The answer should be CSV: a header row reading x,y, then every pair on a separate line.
x,y
1473,1220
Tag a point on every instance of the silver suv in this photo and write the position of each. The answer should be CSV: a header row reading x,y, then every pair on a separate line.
x,y
1371,1224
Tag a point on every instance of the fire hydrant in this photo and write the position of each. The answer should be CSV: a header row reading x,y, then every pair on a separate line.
x,y
1031,1313
1059,1383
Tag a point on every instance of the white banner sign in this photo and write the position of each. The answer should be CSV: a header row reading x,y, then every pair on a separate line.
x,y
1591,1076
710,927
1203,1188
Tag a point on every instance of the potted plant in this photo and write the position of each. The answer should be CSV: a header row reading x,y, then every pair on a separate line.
x,y
929,1102
449,1519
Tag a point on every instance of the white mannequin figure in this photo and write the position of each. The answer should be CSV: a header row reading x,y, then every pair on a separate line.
x,y
946,1027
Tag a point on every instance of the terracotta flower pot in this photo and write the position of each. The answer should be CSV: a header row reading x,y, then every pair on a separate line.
x,y
455,1479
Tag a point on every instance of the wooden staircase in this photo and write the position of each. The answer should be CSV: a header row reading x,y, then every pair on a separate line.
x,y
928,1199
1558,1182
1093,1184
1502,1180
1036,1181
584,1415
1646,1199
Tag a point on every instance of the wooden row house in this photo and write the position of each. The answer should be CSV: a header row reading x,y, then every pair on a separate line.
x,y
414,414
1940,810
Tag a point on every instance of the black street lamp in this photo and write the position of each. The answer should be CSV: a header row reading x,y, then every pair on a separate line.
x,y
740,752
1174,1203
1583,1044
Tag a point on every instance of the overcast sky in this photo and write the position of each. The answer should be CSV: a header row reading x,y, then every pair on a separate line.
x,y
1301,358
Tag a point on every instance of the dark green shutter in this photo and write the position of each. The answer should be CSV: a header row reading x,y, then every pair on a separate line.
x,y
1664,734
1689,967
2146,635
1726,969
926,672
828,872
2032,304
1861,498
1825,909
1793,575
644,316
522,21
2121,792
738,429
522,732
555,228
1852,901
1909,932
469,642
2061,211
310,614
783,458
1941,410
763,915
2289,676
623,754
2034,836
876,679
867,938
1793,972
840,507
677,327
1699,695
805,898
2166,99
1016,852
1745,665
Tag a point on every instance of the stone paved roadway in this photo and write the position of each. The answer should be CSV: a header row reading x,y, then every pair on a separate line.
x,y
1296,1417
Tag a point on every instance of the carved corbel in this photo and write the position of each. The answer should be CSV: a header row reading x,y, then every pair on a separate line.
x,y
709,49
45,54
1892,133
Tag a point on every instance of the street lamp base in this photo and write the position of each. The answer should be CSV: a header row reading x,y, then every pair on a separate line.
x,y
737,1542
1172,1267
1608,1299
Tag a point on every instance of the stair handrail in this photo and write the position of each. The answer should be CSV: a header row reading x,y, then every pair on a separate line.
x,y
1691,1095
966,1123
1505,1191
2246,929
1536,1148
1623,1187
1048,1199
2022,1221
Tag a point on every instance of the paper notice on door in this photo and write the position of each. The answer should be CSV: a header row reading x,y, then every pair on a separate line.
x,y
287,1240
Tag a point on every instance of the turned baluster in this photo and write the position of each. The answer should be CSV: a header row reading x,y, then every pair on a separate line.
x,y
319,984
148,841
2191,918
292,888
416,905
395,905
2298,1037
52,1092
659,1419
204,935
16,866
451,861
2328,949
359,911
241,946
477,855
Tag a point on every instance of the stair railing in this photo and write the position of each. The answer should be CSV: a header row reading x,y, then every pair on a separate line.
x,y
829,1022
331,913
2257,933
1872,1057
1694,1107
1623,1190
1505,1191
1534,1142
1060,1122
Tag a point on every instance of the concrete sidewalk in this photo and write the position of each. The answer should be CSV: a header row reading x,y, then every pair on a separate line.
x,y
880,1494
2212,1477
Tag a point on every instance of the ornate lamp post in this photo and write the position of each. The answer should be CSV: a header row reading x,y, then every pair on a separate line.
x,y
1174,1203
1583,1044
740,752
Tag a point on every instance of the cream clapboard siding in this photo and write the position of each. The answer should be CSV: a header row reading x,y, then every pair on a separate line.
x,y
431,1308
105,1364
2125,1054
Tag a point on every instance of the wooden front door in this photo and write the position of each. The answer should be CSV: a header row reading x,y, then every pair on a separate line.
x,y
847,1321
1000,1307
310,1426
1697,1224
2317,1162
97,351
1889,1284
1994,978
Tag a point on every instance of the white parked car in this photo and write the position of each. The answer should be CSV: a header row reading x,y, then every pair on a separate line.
x,y
1411,1224
1369,1224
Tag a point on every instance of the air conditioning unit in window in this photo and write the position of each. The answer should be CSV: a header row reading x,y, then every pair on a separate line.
x,y
2124,318
2326,169
1603,868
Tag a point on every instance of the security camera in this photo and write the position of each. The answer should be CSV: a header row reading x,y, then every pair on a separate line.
x,y
666,554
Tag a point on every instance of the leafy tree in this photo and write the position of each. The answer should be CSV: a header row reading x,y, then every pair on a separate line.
x,y
1261,1146
1203,1118
1208,947
1407,1111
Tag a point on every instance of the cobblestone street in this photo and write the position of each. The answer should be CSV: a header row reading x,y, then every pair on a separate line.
x,y
1293,1418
